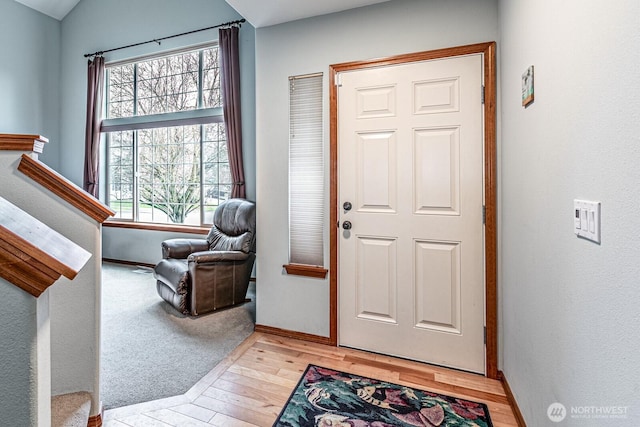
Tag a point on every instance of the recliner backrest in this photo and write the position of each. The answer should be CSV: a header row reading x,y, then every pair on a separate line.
x,y
234,227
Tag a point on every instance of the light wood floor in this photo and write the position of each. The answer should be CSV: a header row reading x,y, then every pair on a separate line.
x,y
250,387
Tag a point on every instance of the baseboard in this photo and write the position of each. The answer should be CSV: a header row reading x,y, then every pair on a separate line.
x,y
512,400
293,334
121,261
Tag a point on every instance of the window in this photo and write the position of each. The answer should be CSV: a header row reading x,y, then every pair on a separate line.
x,y
167,159
306,172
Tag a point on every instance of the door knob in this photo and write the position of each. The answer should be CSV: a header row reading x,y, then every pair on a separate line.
x,y
347,206
346,225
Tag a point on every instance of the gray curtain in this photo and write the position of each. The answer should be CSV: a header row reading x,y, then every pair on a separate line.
x,y
230,66
95,89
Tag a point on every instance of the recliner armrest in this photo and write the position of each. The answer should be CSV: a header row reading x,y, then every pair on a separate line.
x,y
217,256
182,248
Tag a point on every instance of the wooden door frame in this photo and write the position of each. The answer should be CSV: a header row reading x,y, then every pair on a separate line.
x,y
490,183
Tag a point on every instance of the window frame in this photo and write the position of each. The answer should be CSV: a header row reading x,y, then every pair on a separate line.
x,y
199,116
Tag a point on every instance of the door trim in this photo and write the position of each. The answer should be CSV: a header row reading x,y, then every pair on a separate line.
x,y
490,183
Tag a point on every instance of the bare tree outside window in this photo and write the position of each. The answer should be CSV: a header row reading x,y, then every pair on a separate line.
x,y
174,174
169,178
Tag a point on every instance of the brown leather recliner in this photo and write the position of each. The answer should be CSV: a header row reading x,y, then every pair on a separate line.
x,y
197,276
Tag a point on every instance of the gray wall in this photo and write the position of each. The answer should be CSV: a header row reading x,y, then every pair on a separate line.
x,y
309,46
24,335
29,75
103,24
570,307
29,100
118,243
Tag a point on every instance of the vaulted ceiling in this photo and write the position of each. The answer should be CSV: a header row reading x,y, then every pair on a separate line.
x,y
260,13
263,13
55,8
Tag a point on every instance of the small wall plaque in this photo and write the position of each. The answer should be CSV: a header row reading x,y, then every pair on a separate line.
x,y
527,87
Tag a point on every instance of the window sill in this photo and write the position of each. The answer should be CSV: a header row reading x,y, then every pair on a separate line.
x,y
156,227
306,270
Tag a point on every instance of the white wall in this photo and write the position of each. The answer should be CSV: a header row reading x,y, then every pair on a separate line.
x,y
29,75
570,307
103,24
309,46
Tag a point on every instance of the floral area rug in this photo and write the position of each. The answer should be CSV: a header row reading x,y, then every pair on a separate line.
x,y
325,397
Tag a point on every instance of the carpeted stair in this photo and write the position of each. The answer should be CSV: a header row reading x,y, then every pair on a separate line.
x,y
70,410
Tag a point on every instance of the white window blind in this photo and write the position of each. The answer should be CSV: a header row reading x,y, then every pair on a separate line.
x,y
306,171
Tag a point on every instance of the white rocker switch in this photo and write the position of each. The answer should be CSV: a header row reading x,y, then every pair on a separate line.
x,y
586,221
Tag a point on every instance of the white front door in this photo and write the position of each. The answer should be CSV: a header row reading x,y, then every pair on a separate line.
x,y
411,268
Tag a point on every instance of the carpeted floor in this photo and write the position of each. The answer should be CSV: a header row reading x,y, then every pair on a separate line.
x,y
149,350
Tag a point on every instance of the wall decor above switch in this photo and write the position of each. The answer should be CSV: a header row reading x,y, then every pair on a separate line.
x,y
527,87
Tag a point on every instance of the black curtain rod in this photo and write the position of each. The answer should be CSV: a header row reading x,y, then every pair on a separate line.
x,y
102,52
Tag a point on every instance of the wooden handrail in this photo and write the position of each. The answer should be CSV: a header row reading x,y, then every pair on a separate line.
x,y
32,255
64,188
15,142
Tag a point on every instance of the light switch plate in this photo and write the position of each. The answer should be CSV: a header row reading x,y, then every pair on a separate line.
x,y
586,219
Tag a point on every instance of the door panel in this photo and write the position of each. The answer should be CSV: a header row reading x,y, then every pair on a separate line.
x,y
375,102
437,163
377,183
438,305
377,285
411,269
436,96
